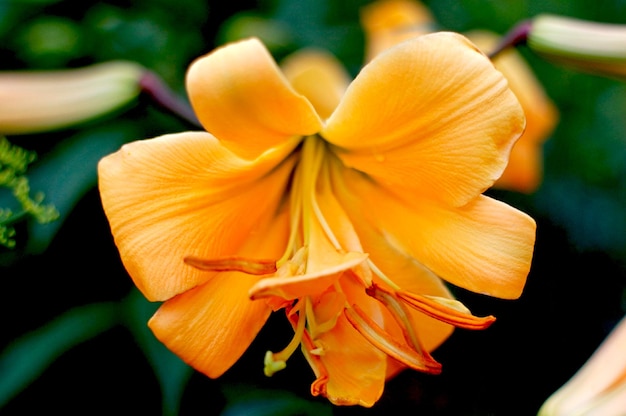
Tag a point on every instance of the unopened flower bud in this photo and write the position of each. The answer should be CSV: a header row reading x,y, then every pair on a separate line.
x,y
590,46
36,101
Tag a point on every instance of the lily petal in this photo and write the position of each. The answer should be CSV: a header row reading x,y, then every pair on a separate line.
x,y
400,267
241,97
211,326
410,276
319,76
524,171
431,117
310,284
485,246
187,195
355,369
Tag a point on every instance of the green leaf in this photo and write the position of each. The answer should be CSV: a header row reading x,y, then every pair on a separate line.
x,y
64,175
250,401
171,372
29,356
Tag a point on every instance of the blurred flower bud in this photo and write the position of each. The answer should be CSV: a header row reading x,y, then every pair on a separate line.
x,y
599,387
36,101
275,35
389,22
590,46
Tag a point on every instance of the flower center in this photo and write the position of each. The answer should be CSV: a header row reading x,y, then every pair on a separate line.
x,y
306,281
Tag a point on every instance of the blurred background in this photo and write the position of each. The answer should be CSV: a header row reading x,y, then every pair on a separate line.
x,y
74,337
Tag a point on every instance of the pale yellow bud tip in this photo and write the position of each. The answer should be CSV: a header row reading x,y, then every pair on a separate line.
x,y
37,101
590,46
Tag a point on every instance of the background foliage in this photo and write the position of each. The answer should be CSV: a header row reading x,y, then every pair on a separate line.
x,y
74,336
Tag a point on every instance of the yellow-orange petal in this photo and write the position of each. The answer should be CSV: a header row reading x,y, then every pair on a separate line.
x,y
319,76
389,22
210,327
309,284
355,233
355,368
397,264
484,246
524,171
430,117
241,97
599,386
187,195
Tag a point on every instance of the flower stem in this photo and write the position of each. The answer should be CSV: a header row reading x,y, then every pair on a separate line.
x,y
518,35
154,87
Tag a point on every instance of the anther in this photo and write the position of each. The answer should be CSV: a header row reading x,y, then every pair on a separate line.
x,y
382,340
449,311
232,264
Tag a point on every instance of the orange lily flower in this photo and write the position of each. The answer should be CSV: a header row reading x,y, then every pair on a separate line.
x,y
346,210
389,22
599,387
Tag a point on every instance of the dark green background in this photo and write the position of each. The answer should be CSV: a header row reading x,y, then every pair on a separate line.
x,y
73,324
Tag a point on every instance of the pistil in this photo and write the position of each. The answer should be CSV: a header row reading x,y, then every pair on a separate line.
x,y
275,362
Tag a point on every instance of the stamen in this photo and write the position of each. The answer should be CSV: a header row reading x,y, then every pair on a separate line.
x,y
230,264
333,303
449,311
382,275
277,361
400,315
295,201
385,342
318,211
310,163
319,351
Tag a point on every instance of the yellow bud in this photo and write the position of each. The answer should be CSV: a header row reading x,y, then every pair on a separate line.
x,y
599,386
36,101
590,46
